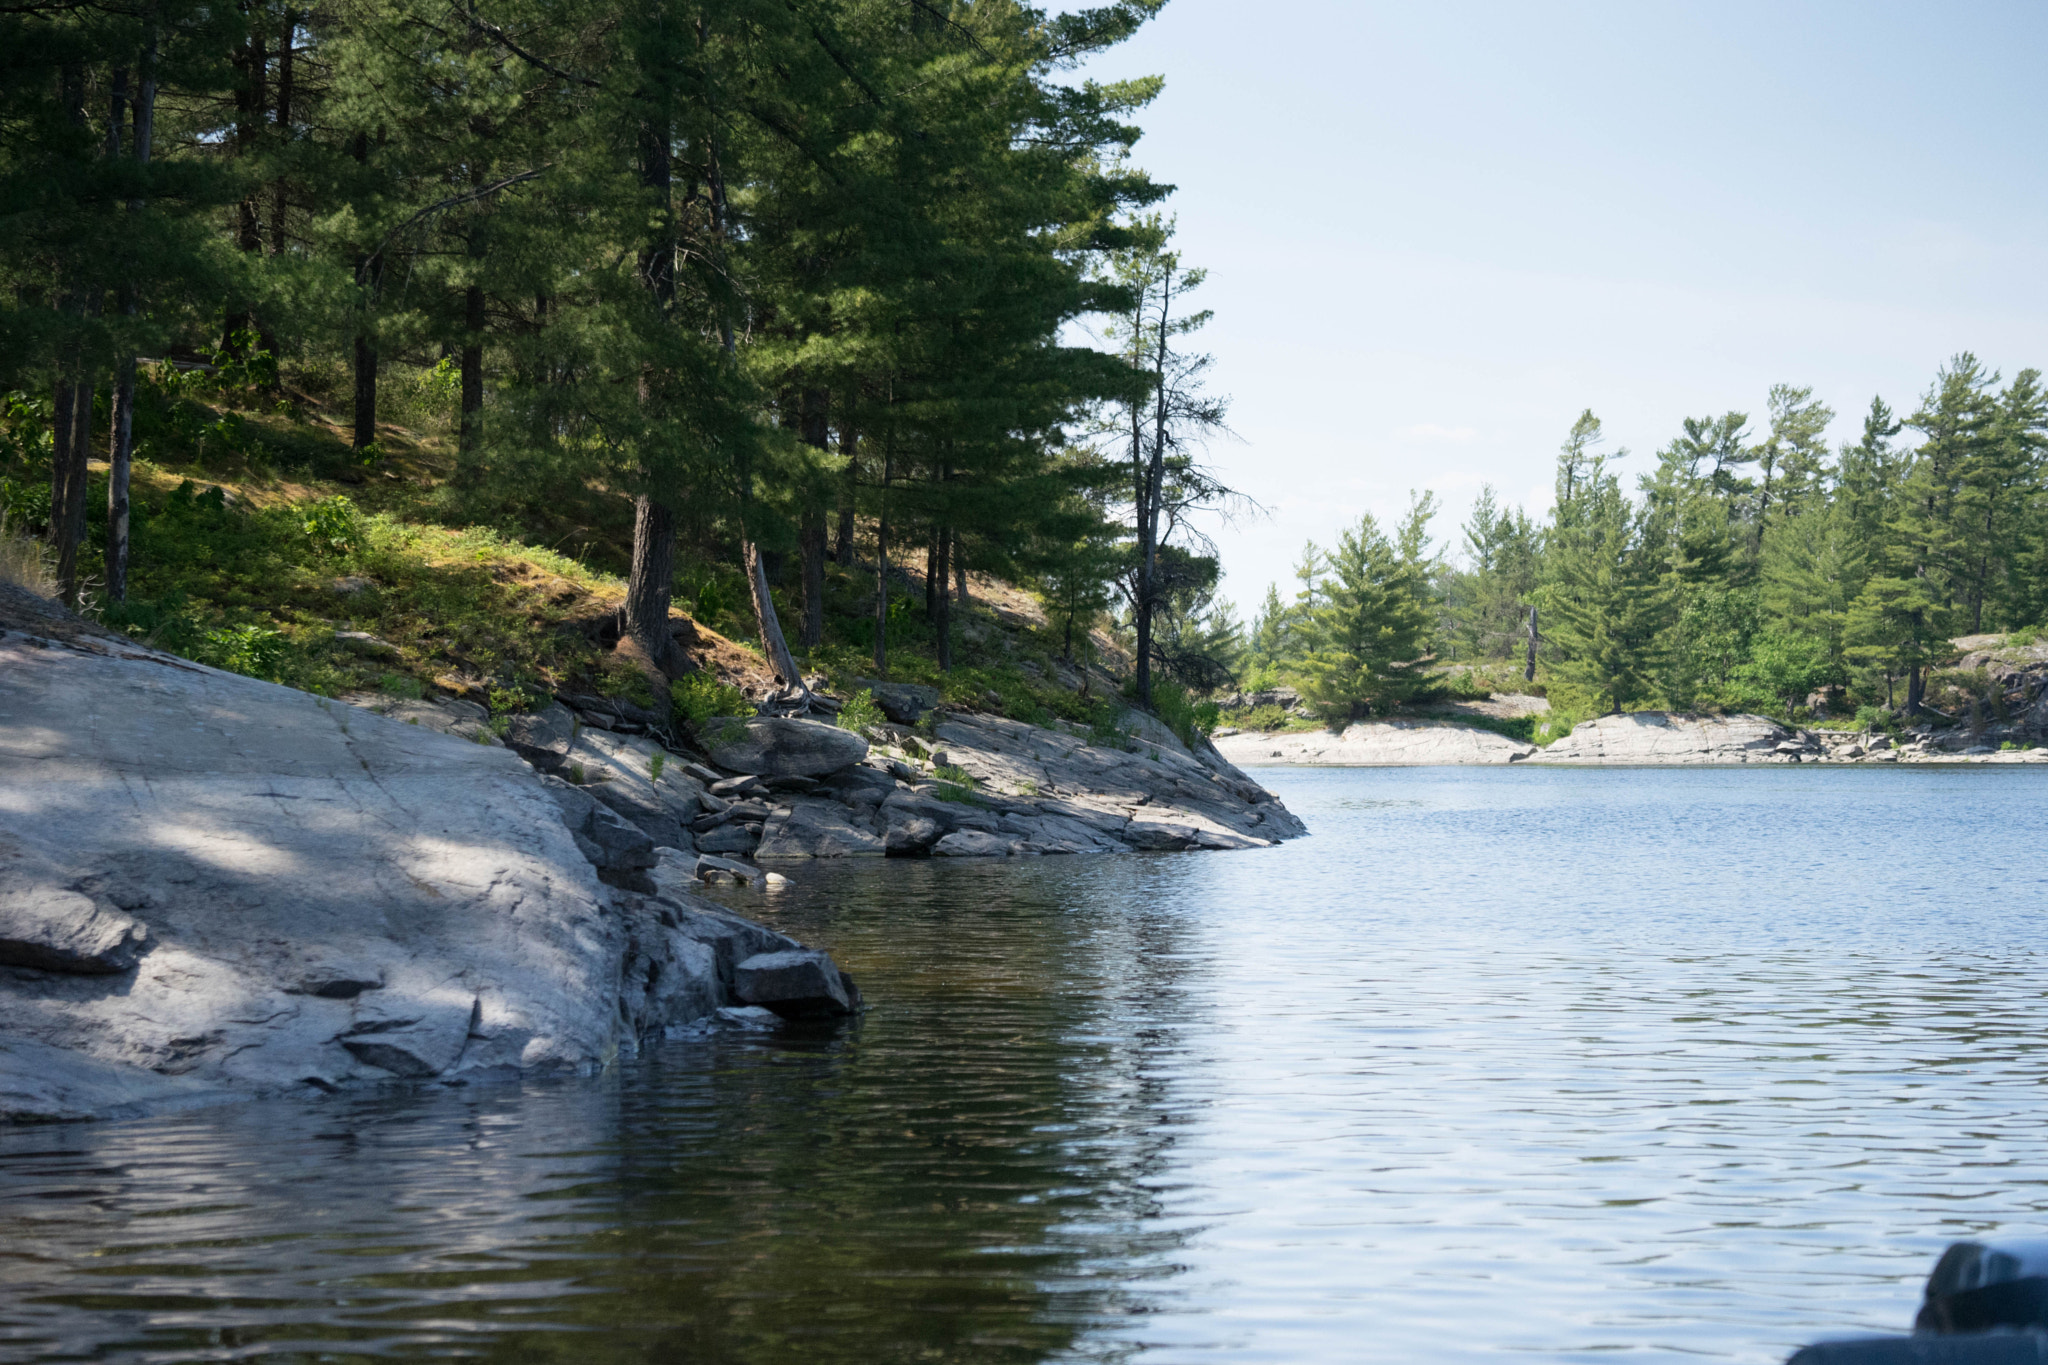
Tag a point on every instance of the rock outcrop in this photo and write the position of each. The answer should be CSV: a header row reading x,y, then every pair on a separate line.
x,y
1033,791
1662,737
212,886
778,746
1375,743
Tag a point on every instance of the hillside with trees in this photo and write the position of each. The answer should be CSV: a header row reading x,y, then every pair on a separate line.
x,y
562,347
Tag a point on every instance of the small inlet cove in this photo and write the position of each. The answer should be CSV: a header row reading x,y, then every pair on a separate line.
x,y
1500,1062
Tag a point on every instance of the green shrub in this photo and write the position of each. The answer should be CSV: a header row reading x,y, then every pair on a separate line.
x,y
1876,718
335,524
701,696
401,685
1183,715
255,651
860,712
656,761
509,701
955,784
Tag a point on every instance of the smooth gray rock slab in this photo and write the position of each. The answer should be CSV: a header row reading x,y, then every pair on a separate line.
x,y
1157,836
742,839
904,804
44,1084
447,715
813,827
543,737
972,843
794,981
776,746
1376,743
269,841
619,851
56,930
1662,737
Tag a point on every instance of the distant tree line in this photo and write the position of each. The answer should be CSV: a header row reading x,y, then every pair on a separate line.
x,y
779,267
1751,568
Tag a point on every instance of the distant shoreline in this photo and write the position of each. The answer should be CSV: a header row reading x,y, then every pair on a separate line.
x,y
1638,739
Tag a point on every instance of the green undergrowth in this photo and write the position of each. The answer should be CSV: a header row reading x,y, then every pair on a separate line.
x,y
1016,689
1542,730
258,534
262,590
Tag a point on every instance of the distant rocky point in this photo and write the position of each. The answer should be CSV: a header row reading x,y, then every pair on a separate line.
x,y
1638,738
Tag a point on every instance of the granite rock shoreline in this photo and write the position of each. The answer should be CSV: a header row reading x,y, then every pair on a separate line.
x,y
213,888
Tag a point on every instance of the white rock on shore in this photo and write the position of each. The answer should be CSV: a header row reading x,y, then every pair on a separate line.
x,y
1660,737
1375,743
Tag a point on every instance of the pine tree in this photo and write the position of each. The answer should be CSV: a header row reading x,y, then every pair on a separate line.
x,y
1606,602
1366,636
1489,597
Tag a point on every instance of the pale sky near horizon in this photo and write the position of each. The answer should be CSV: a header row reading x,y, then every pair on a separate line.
x,y
1438,231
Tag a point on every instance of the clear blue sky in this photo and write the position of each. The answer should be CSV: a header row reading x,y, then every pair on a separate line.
x,y
1438,231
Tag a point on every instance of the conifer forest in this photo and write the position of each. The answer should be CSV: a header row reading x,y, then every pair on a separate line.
x,y
789,316
749,307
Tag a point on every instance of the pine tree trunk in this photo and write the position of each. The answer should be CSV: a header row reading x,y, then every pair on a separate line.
x,y
60,462
1916,689
934,576
1529,670
772,644
1154,483
469,444
369,274
942,618
817,433
960,571
366,395
120,456
842,553
882,572
649,581
71,543
814,579
121,441
279,198
253,66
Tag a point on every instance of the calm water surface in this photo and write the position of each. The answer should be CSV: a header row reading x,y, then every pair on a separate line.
x,y
1595,1065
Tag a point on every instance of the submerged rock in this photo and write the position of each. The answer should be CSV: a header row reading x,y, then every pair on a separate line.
x,y
792,982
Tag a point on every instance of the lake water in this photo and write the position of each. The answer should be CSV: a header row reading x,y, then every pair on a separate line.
x,y
1573,1065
